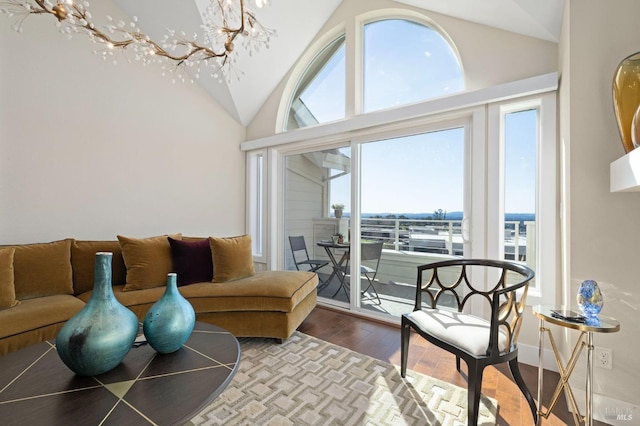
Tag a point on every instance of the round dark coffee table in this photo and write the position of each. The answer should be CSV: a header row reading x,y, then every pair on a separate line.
x,y
146,388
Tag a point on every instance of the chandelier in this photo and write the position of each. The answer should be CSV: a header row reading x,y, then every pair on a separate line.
x,y
225,23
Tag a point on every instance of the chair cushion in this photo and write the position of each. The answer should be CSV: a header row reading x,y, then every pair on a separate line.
x,y
467,332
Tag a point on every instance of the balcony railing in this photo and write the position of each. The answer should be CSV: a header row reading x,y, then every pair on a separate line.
x,y
441,235
409,243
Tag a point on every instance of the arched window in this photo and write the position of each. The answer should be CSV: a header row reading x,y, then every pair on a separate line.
x,y
403,61
406,62
319,95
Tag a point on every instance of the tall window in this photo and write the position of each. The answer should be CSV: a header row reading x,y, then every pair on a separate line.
x,y
520,142
523,209
256,203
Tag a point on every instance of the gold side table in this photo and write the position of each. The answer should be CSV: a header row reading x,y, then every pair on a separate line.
x,y
600,324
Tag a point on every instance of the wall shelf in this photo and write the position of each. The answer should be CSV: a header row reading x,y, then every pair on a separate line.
x,y
625,173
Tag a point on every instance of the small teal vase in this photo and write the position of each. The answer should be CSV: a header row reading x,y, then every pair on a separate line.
x,y
169,322
96,339
590,298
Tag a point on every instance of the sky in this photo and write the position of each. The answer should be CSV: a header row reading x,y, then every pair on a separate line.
x,y
403,63
424,173
413,174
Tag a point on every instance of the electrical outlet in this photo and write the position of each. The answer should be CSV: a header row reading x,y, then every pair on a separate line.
x,y
603,358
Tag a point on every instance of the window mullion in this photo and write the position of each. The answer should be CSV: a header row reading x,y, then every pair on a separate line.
x,y
353,69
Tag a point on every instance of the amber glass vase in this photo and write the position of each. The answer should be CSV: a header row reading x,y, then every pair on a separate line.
x,y
626,100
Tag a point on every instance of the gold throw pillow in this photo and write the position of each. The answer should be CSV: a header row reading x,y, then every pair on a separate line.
x,y
232,258
148,261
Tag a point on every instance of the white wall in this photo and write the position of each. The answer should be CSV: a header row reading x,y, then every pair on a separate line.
x,y
604,227
91,150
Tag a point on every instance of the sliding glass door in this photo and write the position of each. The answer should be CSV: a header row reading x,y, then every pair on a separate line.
x,y
407,209
470,186
411,208
315,182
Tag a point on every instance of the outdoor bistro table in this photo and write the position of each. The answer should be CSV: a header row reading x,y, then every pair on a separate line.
x,y
338,268
600,324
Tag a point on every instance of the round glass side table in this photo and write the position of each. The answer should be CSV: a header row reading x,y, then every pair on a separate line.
x,y
586,327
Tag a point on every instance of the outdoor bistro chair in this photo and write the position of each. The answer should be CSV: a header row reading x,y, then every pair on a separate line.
x,y
371,251
478,341
299,246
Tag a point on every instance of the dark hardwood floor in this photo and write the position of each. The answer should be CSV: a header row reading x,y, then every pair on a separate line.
x,y
382,341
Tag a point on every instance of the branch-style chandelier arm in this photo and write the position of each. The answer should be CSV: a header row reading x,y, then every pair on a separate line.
x,y
74,18
231,33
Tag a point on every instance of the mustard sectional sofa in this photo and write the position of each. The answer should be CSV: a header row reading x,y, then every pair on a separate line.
x,y
43,285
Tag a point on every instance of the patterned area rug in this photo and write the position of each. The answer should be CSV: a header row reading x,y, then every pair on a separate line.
x,y
307,381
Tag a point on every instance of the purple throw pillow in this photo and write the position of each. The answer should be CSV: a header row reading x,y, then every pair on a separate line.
x,y
192,260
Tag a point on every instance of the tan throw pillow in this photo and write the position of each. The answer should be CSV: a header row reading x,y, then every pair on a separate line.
x,y
7,290
42,269
232,258
148,260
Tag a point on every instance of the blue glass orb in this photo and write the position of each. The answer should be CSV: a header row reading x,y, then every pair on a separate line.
x,y
590,298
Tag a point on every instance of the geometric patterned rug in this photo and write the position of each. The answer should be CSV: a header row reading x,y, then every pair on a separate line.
x,y
307,381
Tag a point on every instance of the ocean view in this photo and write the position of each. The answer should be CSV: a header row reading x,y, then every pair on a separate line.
x,y
509,217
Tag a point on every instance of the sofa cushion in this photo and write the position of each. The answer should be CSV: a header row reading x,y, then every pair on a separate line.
x,y
7,289
232,258
42,269
148,261
40,312
192,260
83,262
278,291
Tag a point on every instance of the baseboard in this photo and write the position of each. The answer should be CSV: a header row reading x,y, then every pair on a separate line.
x,y
610,410
528,354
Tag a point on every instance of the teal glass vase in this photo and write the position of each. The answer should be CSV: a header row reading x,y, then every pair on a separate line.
x,y
170,321
97,338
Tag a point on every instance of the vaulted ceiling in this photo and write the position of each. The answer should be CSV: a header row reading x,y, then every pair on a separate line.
x,y
298,21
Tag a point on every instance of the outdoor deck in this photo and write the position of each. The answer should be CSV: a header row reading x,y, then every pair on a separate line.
x,y
408,243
